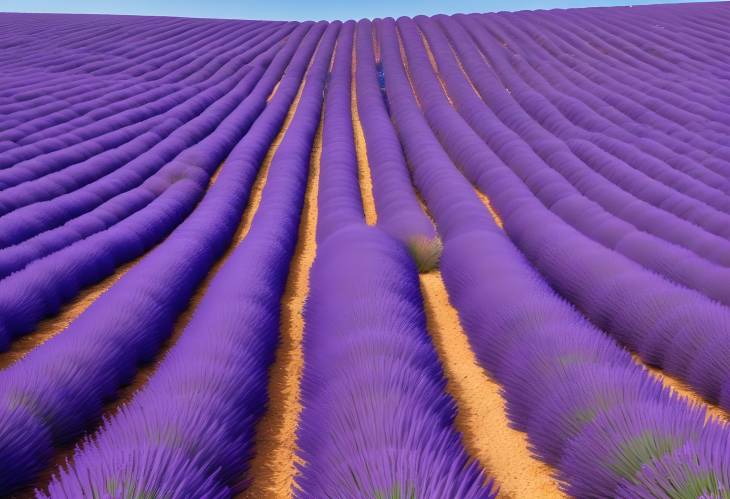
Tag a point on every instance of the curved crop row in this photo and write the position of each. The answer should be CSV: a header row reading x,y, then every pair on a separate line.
x,y
399,213
339,200
203,113
210,151
595,138
128,323
86,108
652,143
151,65
618,122
377,421
549,147
58,177
676,263
641,66
616,294
586,407
238,57
210,390
670,124
641,122
584,119
543,112
42,286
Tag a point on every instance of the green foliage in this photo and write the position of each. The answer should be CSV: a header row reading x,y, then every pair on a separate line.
x,y
641,450
409,492
426,252
702,485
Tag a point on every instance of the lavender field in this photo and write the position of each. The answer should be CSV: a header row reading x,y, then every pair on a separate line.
x,y
466,256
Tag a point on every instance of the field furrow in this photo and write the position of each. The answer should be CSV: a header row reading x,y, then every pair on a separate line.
x,y
471,255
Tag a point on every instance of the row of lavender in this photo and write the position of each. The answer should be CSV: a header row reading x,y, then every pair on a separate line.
x,y
588,409
208,443
49,400
583,189
204,448
189,431
618,295
126,188
376,419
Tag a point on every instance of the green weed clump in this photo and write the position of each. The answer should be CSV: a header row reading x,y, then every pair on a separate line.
x,y
426,252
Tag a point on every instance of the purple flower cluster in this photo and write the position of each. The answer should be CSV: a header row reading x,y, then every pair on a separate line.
x,y
48,400
399,213
377,421
597,138
49,262
564,171
678,329
339,200
587,408
189,431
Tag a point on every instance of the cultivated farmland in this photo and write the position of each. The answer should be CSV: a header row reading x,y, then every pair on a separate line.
x,y
466,256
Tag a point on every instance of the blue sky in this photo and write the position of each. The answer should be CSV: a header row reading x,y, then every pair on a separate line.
x,y
296,9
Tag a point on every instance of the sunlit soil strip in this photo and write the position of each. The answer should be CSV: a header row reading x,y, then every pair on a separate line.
x,y
363,166
434,67
376,45
485,58
481,416
144,373
483,197
48,328
486,202
463,71
273,468
681,389
214,177
273,91
406,68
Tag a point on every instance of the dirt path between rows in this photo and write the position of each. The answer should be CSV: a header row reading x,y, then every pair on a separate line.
x,y
481,416
273,467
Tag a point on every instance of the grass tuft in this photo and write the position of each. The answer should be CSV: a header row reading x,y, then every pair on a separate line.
x,y
426,252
